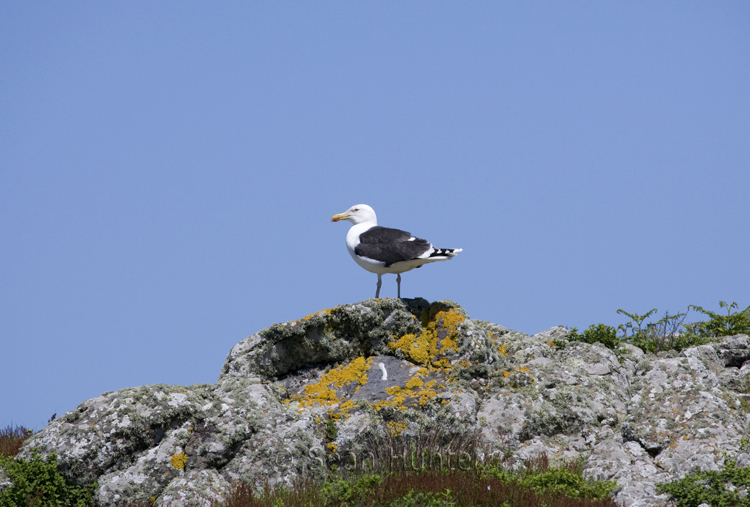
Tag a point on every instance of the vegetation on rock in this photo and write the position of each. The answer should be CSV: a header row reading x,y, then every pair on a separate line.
x,y
668,333
724,325
492,486
726,487
37,483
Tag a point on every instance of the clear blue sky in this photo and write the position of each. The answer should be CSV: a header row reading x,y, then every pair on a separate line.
x,y
168,171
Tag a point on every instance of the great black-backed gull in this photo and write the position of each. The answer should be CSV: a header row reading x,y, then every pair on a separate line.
x,y
382,250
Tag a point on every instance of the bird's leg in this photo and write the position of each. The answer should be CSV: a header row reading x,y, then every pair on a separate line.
x,y
377,292
398,281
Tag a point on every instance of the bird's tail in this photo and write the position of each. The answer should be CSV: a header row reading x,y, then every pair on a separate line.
x,y
445,252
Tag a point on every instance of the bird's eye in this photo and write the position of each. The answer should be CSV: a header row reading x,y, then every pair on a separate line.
x,y
356,209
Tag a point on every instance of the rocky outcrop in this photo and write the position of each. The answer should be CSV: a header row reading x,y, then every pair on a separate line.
x,y
298,397
5,481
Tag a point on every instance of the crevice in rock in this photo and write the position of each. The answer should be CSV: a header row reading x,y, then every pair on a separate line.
x,y
157,432
652,451
627,434
295,381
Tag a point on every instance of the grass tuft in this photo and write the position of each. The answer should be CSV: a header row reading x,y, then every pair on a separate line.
x,y
11,439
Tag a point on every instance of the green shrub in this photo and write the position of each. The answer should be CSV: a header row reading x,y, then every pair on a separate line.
x,y
602,333
566,480
37,483
412,499
668,333
724,325
716,488
343,491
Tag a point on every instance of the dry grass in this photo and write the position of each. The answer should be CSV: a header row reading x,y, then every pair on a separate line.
x,y
463,489
11,439
304,492
432,448
394,470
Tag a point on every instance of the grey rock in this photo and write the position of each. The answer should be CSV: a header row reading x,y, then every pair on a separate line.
x,y
5,481
636,352
707,355
299,397
336,335
734,350
198,488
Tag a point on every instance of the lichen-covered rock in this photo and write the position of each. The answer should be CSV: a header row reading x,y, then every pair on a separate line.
x,y
299,397
329,336
198,488
5,481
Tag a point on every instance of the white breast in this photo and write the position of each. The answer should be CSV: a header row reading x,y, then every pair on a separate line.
x,y
352,241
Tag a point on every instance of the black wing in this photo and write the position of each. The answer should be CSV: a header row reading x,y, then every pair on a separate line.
x,y
390,245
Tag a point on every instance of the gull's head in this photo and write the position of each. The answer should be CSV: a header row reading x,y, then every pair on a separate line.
x,y
357,214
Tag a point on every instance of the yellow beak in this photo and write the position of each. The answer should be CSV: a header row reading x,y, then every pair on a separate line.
x,y
340,216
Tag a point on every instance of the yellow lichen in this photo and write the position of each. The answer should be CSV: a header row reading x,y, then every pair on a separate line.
x,y
332,447
427,348
415,391
392,391
323,392
379,405
179,460
397,428
432,349
328,311
416,348
343,409
503,349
